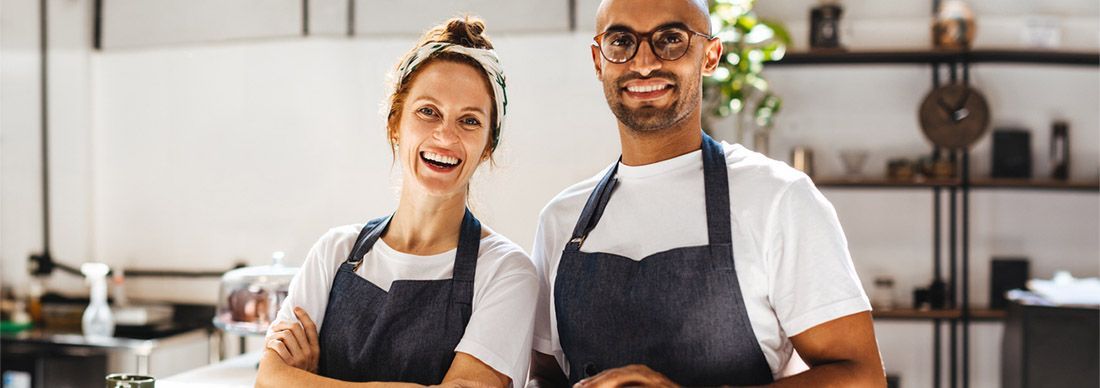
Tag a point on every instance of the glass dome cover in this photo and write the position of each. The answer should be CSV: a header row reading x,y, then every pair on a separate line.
x,y
250,296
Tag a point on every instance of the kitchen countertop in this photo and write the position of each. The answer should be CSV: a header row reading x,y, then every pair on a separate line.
x,y
67,338
236,372
190,343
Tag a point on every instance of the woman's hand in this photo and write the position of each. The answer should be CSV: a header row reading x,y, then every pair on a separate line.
x,y
461,383
296,344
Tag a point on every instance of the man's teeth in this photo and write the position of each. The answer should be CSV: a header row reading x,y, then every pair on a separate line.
x,y
450,160
645,89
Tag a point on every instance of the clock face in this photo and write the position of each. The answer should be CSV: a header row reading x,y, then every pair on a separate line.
x,y
954,116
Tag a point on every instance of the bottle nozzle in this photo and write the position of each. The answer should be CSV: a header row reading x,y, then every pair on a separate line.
x,y
277,258
92,270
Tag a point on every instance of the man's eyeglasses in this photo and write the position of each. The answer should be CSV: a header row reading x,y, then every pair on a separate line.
x,y
669,43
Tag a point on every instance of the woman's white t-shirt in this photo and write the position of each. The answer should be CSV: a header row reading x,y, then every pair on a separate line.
x,y
505,291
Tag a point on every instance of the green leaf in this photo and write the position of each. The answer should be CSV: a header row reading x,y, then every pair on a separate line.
x,y
746,22
748,43
781,32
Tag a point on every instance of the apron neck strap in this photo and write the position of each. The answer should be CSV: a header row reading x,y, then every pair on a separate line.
x,y
462,279
367,237
469,243
593,209
716,186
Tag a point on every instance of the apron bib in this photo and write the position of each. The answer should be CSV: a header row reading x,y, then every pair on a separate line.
x,y
680,311
408,334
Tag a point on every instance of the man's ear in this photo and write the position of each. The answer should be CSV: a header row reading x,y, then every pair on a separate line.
x,y
597,61
712,56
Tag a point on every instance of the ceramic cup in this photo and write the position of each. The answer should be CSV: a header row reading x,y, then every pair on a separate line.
x,y
126,380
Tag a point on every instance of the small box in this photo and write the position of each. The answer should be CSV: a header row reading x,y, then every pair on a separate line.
x,y
1007,274
1011,153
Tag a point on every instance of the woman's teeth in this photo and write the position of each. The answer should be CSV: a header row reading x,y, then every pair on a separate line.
x,y
645,89
440,160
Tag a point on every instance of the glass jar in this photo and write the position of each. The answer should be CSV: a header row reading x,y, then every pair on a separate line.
x,y
882,296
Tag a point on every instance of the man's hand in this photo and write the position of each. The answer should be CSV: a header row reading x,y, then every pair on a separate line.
x,y
296,344
630,375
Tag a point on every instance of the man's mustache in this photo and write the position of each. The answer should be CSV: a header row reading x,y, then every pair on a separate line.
x,y
621,81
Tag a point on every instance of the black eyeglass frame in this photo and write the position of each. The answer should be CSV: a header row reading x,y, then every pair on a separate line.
x,y
647,37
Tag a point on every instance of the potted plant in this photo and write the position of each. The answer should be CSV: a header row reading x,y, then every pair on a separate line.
x,y
737,88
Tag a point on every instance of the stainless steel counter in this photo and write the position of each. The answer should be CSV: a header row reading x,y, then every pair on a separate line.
x,y
141,348
236,372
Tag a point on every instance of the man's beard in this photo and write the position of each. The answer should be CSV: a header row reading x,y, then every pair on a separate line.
x,y
650,118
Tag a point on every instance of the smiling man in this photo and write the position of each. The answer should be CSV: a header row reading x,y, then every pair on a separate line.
x,y
689,261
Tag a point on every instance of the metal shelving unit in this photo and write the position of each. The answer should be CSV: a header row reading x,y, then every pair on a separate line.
x,y
932,57
957,316
936,314
977,184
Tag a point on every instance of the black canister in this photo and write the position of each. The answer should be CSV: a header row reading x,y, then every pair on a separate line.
x,y
1059,151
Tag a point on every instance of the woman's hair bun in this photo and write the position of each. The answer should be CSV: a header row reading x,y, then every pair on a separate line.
x,y
464,31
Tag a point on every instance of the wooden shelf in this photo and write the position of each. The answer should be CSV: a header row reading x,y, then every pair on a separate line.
x,y
1053,57
881,183
1034,184
947,314
976,183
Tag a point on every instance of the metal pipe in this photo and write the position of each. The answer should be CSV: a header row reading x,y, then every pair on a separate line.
x,y
150,273
953,354
937,227
937,356
305,17
937,269
953,246
966,268
953,222
966,72
44,110
351,18
935,74
573,16
97,25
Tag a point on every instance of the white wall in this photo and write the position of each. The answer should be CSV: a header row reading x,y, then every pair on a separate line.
x,y
247,149
20,192
69,136
194,157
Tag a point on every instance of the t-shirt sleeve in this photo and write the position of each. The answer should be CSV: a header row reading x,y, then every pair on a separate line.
x,y
499,331
541,254
812,280
310,287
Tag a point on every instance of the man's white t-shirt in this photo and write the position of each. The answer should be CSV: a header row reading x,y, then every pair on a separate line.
x,y
790,253
505,291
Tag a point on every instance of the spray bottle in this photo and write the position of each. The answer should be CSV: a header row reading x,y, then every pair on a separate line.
x,y
98,323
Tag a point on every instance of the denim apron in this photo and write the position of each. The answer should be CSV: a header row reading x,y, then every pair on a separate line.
x,y
679,311
408,334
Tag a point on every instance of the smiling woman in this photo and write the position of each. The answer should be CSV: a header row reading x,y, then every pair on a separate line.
x,y
444,126
421,296
452,43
